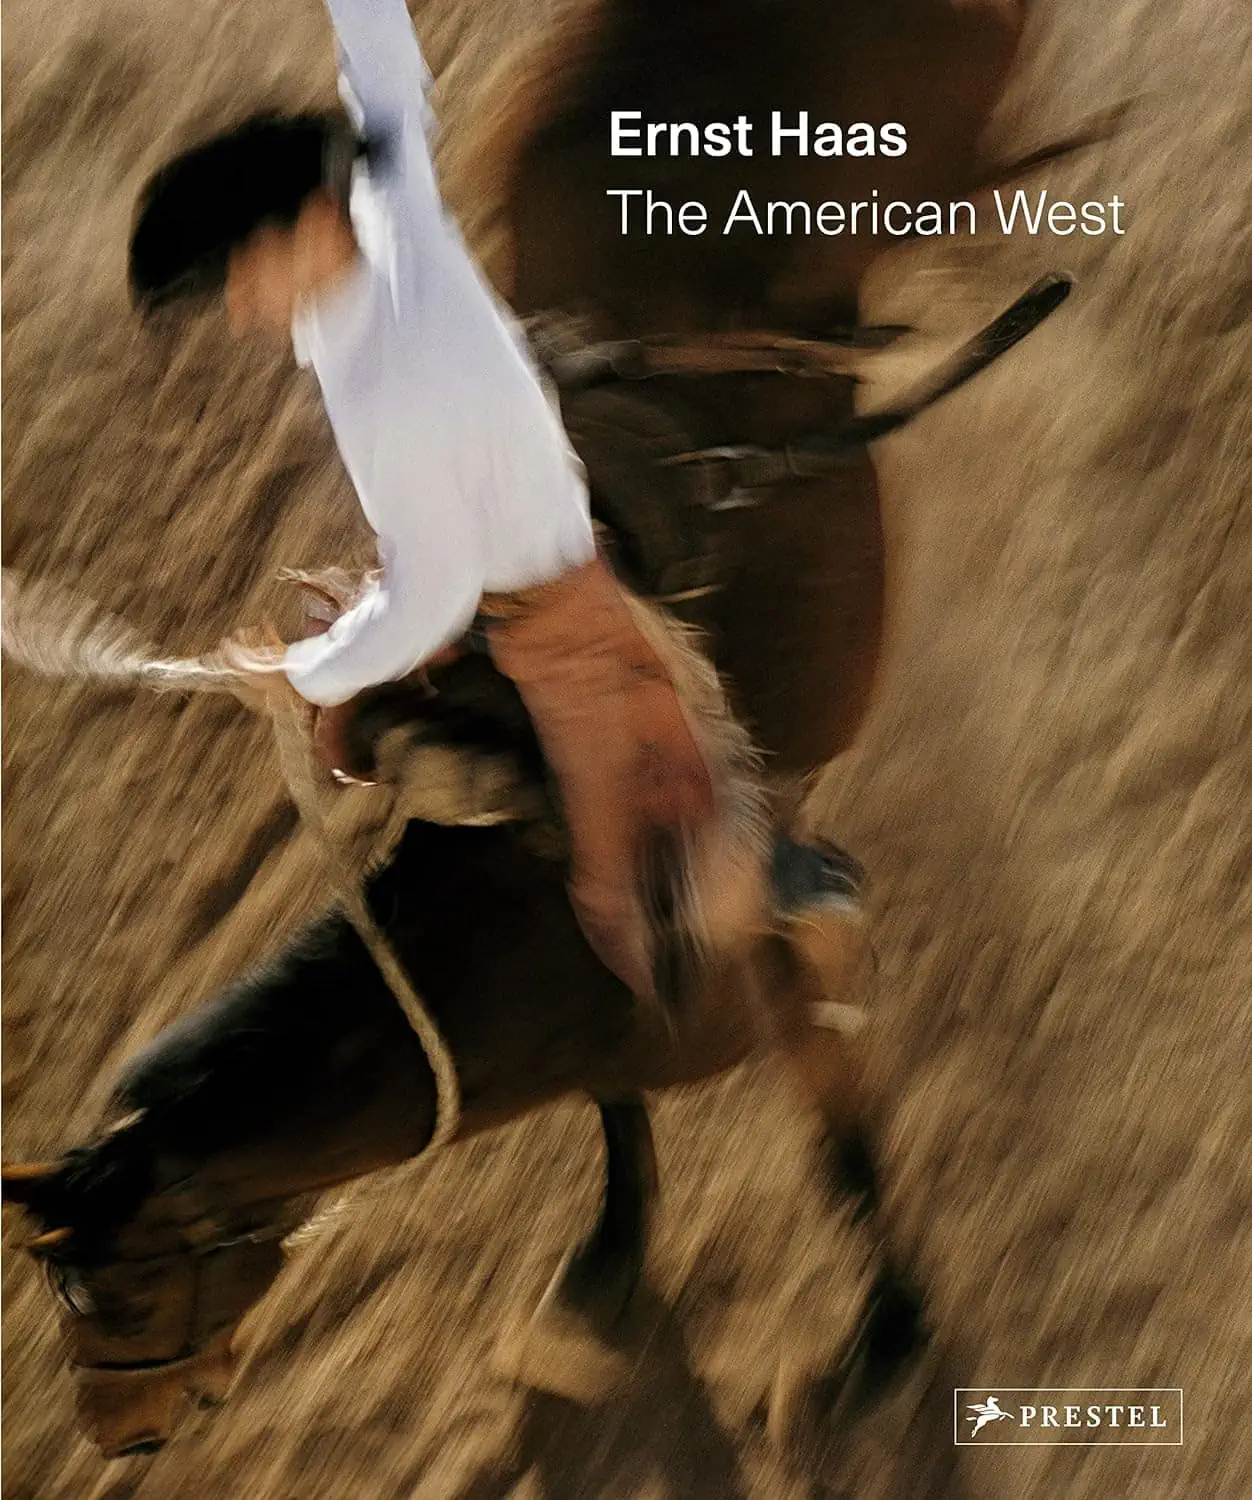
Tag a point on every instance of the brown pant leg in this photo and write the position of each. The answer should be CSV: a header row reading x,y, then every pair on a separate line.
x,y
618,743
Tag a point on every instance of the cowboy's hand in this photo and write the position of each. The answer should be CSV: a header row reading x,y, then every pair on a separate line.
x,y
258,659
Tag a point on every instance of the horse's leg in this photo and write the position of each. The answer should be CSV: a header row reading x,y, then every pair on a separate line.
x,y
600,1274
564,1347
848,1169
806,972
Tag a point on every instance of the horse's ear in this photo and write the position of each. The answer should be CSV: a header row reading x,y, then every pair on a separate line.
x,y
25,1182
124,1124
52,1239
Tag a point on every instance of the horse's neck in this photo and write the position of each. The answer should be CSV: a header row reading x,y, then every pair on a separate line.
x,y
541,155
301,1046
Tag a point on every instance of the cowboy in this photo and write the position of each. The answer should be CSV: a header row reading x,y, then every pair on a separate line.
x,y
336,237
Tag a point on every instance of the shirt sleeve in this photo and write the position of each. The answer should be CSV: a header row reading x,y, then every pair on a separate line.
x,y
384,83
432,581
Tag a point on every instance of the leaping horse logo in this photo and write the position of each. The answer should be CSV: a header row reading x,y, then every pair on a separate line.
x,y
987,1411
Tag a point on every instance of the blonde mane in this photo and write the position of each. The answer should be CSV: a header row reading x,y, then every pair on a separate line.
x,y
524,89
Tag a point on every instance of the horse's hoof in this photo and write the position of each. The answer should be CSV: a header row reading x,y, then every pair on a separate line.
x,y
560,1353
792,1401
563,1347
895,1331
804,1398
890,1333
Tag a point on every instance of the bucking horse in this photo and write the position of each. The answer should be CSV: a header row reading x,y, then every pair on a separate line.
x,y
736,497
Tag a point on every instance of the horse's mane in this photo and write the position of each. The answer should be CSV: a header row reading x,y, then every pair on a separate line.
x,y
526,89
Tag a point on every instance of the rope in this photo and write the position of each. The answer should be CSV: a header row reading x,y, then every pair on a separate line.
x,y
57,632
296,758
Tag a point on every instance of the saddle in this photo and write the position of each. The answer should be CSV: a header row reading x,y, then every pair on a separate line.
x,y
680,512
656,485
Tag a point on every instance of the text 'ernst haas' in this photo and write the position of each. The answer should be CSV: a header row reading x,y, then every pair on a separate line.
x,y
630,135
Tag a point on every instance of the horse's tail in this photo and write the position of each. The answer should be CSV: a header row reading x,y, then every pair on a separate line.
x,y
524,90
58,632
1097,128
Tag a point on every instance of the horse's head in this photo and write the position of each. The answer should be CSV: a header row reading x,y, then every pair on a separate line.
x,y
166,1226
150,1282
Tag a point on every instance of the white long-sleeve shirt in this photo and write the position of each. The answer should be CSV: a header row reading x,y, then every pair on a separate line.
x,y
457,453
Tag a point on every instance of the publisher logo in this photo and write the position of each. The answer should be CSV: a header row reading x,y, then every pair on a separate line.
x,y
1001,1416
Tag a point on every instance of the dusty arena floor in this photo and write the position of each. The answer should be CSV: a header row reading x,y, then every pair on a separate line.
x,y
1053,796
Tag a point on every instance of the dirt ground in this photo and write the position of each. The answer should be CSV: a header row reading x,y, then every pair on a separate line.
x,y
1052,795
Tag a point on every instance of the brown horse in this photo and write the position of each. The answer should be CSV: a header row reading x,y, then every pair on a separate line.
x,y
794,573
164,1229
161,1231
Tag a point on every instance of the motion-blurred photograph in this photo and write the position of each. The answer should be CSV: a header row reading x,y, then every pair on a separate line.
x,y
626,647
